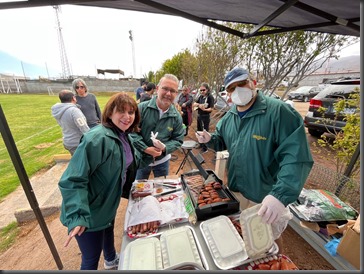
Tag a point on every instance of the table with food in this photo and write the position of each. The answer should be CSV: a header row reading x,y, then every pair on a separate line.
x,y
193,222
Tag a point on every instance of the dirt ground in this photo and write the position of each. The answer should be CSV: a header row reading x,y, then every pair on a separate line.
x,y
31,250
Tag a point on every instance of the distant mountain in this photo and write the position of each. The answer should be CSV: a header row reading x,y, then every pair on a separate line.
x,y
13,66
343,64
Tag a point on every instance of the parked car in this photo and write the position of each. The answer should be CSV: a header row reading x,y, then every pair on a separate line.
x,y
222,100
318,121
304,93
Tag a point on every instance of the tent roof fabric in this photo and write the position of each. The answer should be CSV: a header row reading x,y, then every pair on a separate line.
x,y
329,16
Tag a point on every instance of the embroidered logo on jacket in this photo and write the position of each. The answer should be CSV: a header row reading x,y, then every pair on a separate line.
x,y
170,129
259,137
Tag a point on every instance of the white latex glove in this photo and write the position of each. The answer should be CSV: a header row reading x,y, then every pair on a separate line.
x,y
156,142
203,136
271,209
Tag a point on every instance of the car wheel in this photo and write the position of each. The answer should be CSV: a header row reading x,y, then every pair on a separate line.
x,y
305,99
315,133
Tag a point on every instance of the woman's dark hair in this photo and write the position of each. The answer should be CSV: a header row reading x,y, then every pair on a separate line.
x,y
206,85
119,101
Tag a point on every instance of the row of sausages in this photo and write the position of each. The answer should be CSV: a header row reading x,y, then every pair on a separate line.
x,y
143,228
209,194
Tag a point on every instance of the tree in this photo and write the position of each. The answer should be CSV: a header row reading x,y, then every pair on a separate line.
x,y
340,148
274,58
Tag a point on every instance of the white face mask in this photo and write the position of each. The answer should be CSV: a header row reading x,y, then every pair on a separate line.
x,y
242,96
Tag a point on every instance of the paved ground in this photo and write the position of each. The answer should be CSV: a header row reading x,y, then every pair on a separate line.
x,y
16,207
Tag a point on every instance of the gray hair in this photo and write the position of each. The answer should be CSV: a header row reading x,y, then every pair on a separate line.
x,y
76,81
170,77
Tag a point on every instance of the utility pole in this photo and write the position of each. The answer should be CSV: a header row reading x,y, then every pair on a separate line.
x,y
66,72
133,51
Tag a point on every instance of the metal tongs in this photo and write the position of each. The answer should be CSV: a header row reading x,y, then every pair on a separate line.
x,y
208,177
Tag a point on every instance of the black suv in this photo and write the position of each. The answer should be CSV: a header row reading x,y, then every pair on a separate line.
x,y
318,121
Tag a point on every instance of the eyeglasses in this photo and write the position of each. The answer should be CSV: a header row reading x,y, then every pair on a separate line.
x,y
77,87
171,90
202,89
238,84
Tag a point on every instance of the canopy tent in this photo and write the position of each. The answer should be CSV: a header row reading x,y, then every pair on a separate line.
x,y
329,16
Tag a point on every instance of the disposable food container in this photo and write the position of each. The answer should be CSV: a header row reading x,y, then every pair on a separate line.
x,y
226,246
143,254
257,235
178,247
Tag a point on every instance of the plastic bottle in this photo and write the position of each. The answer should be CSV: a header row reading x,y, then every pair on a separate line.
x,y
192,217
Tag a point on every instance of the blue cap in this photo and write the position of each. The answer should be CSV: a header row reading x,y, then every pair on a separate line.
x,y
235,75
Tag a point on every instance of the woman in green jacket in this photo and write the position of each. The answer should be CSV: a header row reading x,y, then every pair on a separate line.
x,y
100,172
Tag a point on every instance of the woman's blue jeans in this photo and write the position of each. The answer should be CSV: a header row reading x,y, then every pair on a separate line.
x,y
158,171
92,243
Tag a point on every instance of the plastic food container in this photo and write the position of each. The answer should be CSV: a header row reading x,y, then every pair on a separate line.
x,y
143,254
258,236
179,246
226,246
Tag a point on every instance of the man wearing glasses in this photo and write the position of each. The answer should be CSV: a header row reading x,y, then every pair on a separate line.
x,y
87,102
269,156
161,130
205,105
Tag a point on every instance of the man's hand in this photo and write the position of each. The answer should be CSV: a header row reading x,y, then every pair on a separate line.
x,y
158,144
203,136
153,151
271,209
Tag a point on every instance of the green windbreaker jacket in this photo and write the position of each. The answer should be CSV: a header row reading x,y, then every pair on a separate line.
x,y
268,150
169,127
92,185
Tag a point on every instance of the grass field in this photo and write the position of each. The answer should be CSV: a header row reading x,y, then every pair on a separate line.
x,y
36,133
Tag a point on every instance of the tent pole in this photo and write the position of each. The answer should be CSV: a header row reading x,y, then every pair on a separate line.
x,y
23,177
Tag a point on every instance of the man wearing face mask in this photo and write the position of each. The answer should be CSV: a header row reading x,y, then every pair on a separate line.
x,y
269,157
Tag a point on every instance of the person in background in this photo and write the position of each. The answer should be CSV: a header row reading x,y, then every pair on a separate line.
x,y
204,104
185,101
88,103
149,91
161,130
140,90
100,172
269,156
71,120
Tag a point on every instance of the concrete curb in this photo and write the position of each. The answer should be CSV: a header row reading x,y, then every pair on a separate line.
x,y
16,208
26,215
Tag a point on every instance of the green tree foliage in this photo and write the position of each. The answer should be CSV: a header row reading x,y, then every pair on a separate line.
x,y
339,149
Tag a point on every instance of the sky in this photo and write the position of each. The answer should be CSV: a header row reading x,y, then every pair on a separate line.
x,y
98,38
95,38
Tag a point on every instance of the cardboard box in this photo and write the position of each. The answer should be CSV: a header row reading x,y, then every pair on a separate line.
x,y
349,247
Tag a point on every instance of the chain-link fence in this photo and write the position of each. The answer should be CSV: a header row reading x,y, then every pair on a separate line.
x,y
347,189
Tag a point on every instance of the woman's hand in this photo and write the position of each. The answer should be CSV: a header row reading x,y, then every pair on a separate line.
x,y
78,230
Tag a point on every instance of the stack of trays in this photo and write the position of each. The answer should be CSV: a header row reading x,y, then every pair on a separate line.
x,y
173,248
228,249
224,242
